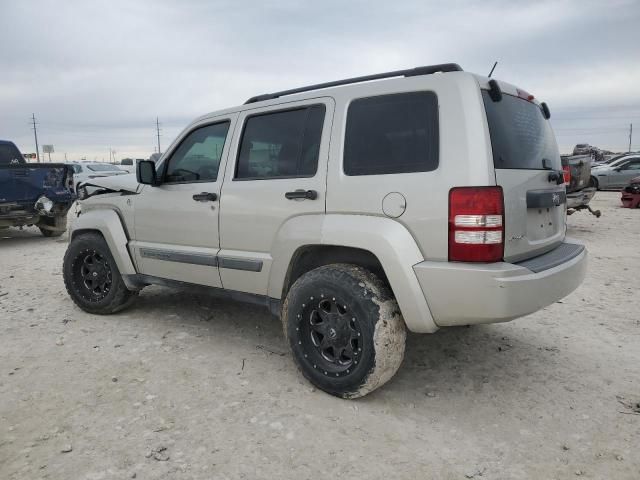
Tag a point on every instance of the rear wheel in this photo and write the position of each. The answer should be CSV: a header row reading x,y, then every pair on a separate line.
x,y
92,278
345,329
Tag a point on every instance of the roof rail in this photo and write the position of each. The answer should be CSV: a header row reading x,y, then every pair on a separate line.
x,y
411,72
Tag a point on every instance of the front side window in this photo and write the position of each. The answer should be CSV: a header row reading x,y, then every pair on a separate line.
x,y
392,134
197,159
281,144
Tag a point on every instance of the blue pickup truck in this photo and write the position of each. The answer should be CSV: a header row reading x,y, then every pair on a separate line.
x,y
37,194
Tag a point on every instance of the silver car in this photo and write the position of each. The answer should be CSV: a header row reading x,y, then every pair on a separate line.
x,y
616,174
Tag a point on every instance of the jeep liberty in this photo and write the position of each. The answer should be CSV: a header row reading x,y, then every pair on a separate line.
x,y
354,210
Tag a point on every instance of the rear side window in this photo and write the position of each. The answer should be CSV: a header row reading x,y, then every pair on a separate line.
x,y
9,154
392,134
281,144
521,138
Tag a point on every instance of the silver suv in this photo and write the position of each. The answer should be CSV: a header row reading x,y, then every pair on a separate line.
x,y
353,210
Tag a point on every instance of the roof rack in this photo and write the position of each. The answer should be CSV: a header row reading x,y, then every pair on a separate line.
x,y
411,72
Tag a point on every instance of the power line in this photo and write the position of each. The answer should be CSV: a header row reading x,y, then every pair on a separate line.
x,y
35,134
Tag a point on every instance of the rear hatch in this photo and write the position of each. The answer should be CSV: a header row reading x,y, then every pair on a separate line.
x,y
525,157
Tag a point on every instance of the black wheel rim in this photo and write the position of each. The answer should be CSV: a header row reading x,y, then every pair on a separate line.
x,y
330,335
92,275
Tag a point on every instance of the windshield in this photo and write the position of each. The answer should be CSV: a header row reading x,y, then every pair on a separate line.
x,y
9,154
103,168
521,138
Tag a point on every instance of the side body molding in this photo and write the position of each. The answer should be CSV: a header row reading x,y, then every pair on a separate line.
x,y
387,239
108,223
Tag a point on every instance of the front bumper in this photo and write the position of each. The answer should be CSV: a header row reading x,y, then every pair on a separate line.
x,y
467,293
581,197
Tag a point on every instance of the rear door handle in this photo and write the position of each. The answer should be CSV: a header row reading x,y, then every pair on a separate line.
x,y
205,197
302,194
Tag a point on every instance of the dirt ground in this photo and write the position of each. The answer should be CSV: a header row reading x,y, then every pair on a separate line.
x,y
189,387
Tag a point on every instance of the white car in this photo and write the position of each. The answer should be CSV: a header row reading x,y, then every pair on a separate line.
x,y
353,210
85,172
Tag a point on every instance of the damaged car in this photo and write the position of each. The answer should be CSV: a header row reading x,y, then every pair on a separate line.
x,y
34,193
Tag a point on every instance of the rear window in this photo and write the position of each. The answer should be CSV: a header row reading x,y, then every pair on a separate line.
x,y
521,138
392,134
9,154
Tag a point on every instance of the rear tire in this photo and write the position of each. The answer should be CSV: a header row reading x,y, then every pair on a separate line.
x,y
92,278
345,329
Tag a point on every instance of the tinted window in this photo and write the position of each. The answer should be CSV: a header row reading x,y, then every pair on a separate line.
x,y
520,136
9,154
392,134
197,159
281,144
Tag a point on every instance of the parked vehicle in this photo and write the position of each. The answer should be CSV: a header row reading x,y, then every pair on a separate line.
x,y
353,210
631,194
577,171
582,149
616,174
33,193
86,171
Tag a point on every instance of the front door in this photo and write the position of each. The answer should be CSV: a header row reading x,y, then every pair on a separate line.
x,y
279,173
176,222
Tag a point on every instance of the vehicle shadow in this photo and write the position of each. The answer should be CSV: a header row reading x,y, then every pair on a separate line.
x,y
14,236
454,363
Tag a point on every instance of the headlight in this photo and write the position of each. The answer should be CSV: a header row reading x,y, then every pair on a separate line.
x,y
44,205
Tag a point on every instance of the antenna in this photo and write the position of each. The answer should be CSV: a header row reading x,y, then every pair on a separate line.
x,y
493,68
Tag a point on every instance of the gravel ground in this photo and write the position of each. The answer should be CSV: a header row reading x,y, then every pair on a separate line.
x,y
189,387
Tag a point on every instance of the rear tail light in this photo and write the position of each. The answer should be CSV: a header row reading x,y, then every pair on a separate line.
x,y
566,174
476,224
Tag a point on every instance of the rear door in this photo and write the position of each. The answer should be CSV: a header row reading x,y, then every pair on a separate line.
x,y
525,153
279,173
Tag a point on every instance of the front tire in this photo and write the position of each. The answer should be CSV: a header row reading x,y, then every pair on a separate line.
x,y
92,278
593,182
345,329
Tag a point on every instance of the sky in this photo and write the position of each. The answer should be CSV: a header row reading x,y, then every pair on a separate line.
x,y
96,74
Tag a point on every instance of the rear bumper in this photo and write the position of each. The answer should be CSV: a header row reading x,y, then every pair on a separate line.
x,y
464,293
581,197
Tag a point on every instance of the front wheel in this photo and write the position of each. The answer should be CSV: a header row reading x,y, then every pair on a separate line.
x,y
345,329
593,182
92,278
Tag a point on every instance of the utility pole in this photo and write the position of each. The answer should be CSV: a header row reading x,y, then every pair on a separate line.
x,y
158,133
35,134
630,135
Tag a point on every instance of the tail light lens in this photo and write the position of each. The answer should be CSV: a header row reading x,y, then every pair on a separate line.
x,y
476,224
566,174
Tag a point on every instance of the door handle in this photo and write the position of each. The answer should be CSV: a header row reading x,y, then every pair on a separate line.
x,y
302,194
205,197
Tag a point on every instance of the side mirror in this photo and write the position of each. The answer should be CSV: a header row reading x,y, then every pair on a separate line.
x,y
146,173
